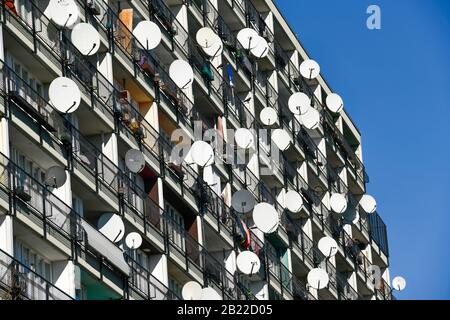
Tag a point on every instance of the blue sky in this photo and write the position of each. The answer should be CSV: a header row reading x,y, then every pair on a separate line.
x,y
396,87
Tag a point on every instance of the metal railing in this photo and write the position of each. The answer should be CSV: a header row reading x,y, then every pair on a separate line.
x,y
19,282
214,272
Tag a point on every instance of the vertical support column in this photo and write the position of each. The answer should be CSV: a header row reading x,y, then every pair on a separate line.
x,y
6,222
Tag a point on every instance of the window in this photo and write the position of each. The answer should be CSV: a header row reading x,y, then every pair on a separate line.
x,y
140,276
24,182
77,205
175,286
274,260
176,227
32,261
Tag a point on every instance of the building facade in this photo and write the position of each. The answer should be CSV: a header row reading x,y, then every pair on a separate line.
x,y
50,245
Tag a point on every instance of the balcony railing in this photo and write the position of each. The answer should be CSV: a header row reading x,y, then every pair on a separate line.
x,y
144,286
378,232
213,19
161,14
19,282
214,272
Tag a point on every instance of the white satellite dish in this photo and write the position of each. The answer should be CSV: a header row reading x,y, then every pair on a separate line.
x,y
209,41
64,95
310,119
266,217
328,246
318,278
134,160
335,103
261,50
338,203
181,73
111,226
244,138
299,103
248,38
293,201
202,153
268,116
64,13
192,290
148,34
368,203
85,38
215,50
309,69
399,283
281,138
206,37
210,294
243,201
133,240
248,263
55,177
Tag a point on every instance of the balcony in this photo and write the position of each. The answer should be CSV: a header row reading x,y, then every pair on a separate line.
x,y
31,113
378,235
146,66
201,265
142,285
19,282
51,219
233,51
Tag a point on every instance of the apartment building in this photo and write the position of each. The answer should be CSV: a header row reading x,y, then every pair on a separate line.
x,y
51,244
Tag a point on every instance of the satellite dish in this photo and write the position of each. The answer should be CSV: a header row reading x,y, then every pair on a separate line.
x,y
134,160
210,294
111,226
311,118
335,103
299,103
248,263
328,246
243,201
399,283
244,138
338,203
192,290
85,38
318,278
133,240
368,203
268,116
202,153
215,50
293,201
64,13
181,73
248,38
206,37
210,42
309,69
55,177
281,138
265,217
64,95
148,34
262,48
